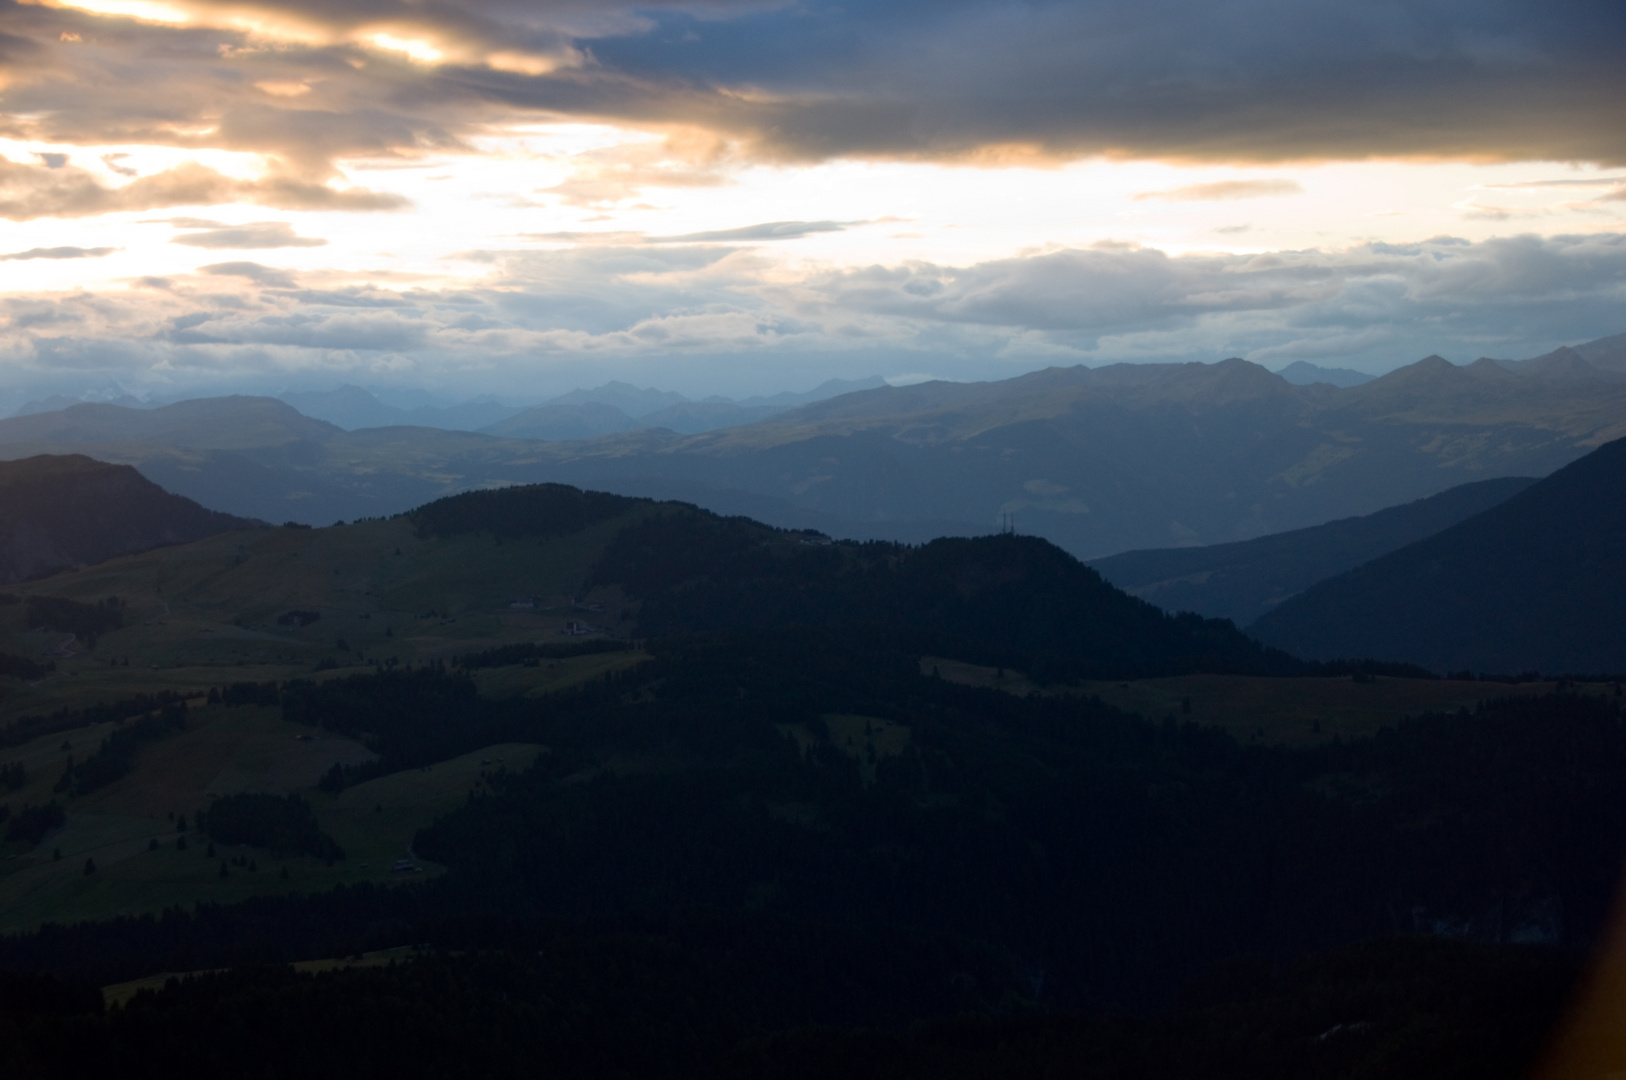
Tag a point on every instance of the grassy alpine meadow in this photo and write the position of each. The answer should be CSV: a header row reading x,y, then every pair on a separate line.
x,y
141,836
266,606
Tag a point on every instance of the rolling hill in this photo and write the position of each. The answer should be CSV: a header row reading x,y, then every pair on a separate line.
x,y
1535,583
1244,580
778,783
490,569
71,511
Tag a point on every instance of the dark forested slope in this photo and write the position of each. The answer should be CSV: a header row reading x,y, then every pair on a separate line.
x,y
1242,581
776,787
1002,599
57,512
1536,583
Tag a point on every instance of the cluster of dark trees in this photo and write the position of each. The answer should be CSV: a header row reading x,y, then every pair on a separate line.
x,y
409,717
246,693
115,758
27,728
72,617
282,824
514,513
21,667
30,824
529,652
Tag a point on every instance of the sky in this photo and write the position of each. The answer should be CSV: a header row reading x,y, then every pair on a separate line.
x,y
736,197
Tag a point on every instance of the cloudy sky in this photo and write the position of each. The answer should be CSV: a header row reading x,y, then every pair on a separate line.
x,y
740,196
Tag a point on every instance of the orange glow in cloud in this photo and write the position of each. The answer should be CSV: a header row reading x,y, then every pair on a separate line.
x,y
413,48
144,10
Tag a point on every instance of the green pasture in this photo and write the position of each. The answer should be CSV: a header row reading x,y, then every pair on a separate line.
x,y
223,751
209,614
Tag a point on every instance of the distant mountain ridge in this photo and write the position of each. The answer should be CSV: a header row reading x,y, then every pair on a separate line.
x,y
1535,583
619,407
581,414
1124,457
1244,580
62,512
1304,373
1100,461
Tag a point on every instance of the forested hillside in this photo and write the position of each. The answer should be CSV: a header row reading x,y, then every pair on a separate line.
x,y
809,804
774,824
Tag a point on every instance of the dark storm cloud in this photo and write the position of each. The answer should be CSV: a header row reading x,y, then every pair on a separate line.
x,y
979,80
1244,79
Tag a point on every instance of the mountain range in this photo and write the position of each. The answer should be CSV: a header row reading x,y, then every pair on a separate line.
x,y
1537,582
1112,459
1304,373
581,414
1100,460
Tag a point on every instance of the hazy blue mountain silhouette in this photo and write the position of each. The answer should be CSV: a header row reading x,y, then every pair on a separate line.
x,y
1244,580
1536,583
1099,461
